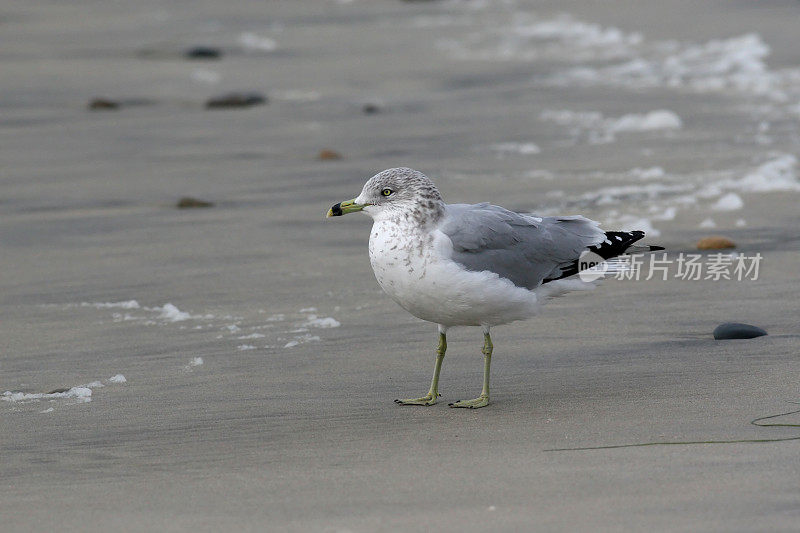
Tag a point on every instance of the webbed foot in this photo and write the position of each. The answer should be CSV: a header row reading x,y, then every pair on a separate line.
x,y
428,399
480,401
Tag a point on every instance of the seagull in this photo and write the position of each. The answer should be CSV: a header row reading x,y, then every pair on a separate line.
x,y
473,265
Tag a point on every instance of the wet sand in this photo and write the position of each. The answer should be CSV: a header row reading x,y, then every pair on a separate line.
x,y
306,437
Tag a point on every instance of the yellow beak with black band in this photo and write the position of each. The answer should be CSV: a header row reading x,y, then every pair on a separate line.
x,y
342,208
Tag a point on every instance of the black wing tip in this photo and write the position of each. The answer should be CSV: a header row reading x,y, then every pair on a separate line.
x,y
637,235
623,241
617,243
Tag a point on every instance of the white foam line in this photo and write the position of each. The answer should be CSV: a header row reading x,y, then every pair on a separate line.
x,y
325,323
128,304
81,394
594,128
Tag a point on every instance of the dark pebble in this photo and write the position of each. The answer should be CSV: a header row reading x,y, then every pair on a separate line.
x,y
370,109
59,390
734,330
187,202
203,52
233,100
102,104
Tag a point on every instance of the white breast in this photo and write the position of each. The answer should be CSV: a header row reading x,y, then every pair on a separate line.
x,y
413,266
400,255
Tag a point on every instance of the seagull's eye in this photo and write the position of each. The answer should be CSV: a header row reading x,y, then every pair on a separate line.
x,y
387,192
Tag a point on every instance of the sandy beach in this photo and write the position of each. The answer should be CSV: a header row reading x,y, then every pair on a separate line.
x,y
255,359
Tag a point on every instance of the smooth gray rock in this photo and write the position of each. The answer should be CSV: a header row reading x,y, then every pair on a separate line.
x,y
735,330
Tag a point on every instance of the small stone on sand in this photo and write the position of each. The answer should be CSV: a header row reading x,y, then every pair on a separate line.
x,y
735,330
232,100
370,109
102,104
59,390
329,155
715,242
187,202
203,52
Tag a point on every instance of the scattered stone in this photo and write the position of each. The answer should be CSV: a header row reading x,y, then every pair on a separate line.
x,y
102,104
329,155
59,390
187,202
735,330
715,242
232,100
370,109
203,52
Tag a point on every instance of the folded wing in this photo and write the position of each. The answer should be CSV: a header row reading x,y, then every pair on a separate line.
x,y
525,249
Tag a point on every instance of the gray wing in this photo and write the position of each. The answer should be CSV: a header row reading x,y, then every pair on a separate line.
x,y
522,248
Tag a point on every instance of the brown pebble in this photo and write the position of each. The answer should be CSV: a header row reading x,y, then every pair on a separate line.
x,y
102,104
187,202
329,155
715,242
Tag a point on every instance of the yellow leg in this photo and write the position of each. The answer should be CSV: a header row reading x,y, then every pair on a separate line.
x,y
483,399
433,394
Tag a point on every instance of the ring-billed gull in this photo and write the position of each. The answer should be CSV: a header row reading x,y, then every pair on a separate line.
x,y
472,265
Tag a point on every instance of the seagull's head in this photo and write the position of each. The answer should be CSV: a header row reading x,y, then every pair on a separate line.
x,y
395,192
